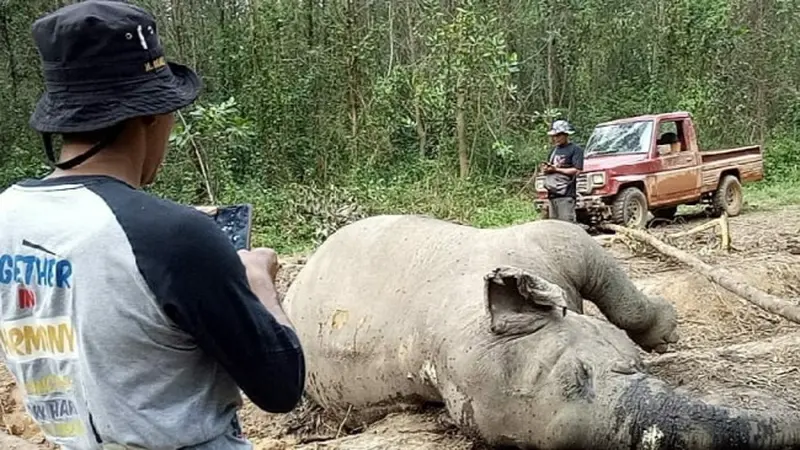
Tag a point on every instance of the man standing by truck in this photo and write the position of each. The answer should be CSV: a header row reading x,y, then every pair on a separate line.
x,y
561,172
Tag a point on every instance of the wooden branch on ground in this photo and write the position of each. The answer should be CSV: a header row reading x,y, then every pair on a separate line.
x,y
611,239
695,230
724,231
718,275
606,240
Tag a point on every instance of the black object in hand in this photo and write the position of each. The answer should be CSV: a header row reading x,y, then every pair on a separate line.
x,y
235,221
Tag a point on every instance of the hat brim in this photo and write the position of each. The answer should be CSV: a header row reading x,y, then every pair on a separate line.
x,y
553,132
175,86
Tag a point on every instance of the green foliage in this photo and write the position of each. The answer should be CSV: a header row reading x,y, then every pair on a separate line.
x,y
296,217
211,151
320,113
782,159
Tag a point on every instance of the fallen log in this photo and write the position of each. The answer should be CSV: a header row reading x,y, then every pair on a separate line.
x,y
724,231
718,275
606,240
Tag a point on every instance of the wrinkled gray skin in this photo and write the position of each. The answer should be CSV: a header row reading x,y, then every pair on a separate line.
x,y
398,311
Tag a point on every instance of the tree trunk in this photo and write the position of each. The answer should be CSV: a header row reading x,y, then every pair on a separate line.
x,y
550,71
310,23
722,277
422,134
12,63
461,138
352,69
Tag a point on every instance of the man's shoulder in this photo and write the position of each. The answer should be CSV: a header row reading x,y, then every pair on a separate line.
x,y
143,207
160,225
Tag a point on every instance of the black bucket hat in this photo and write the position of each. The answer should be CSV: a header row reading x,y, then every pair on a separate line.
x,y
103,63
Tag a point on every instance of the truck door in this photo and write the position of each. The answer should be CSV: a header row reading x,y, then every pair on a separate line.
x,y
679,176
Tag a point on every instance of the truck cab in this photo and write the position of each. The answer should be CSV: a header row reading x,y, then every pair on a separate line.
x,y
653,164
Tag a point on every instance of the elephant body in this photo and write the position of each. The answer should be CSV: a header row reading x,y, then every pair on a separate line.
x,y
400,311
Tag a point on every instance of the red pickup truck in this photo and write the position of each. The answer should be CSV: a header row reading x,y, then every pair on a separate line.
x,y
652,163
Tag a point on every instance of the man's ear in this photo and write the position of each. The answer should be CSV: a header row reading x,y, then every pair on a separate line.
x,y
521,303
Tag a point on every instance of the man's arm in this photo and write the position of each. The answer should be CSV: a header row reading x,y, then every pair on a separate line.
x,y
265,290
576,160
208,296
568,170
261,267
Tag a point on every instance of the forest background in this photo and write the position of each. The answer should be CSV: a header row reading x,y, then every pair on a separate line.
x,y
321,112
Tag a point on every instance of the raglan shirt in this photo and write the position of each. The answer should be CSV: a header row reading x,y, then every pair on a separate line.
x,y
128,319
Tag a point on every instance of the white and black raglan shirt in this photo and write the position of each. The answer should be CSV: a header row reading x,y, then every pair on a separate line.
x,y
128,320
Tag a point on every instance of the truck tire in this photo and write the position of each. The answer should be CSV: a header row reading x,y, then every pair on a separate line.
x,y
630,208
728,197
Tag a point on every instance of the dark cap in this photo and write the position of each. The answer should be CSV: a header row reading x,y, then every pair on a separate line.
x,y
103,63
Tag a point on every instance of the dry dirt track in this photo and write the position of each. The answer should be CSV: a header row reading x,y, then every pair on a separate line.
x,y
729,349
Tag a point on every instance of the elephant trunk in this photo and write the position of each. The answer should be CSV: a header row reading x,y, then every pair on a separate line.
x,y
649,415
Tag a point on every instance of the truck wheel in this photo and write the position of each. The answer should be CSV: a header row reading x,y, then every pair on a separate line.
x,y
630,208
667,213
728,198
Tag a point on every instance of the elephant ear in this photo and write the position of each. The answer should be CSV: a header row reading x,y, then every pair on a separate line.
x,y
520,302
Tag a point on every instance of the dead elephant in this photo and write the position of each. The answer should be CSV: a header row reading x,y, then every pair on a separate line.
x,y
402,310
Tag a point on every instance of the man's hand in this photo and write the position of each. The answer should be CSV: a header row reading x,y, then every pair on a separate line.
x,y
262,266
259,262
548,168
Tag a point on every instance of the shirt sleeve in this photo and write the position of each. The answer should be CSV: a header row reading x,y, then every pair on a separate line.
x,y
577,157
206,293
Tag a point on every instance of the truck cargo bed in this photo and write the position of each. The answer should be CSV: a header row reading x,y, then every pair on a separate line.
x,y
746,163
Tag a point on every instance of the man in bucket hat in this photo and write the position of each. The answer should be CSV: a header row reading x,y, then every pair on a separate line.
x,y
561,171
127,320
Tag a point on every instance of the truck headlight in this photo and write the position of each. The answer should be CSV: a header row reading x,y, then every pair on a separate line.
x,y
540,184
597,179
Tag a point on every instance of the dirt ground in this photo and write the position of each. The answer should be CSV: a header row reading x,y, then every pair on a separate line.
x,y
729,350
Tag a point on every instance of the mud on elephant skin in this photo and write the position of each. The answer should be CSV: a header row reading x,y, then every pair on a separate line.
x,y
396,311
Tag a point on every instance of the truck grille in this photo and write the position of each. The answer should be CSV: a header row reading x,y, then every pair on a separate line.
x,y
583,184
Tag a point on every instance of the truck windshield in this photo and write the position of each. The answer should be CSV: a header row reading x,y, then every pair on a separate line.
x,y
634,137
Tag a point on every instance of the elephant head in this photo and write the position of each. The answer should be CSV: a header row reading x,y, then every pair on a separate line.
x,y
543,377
